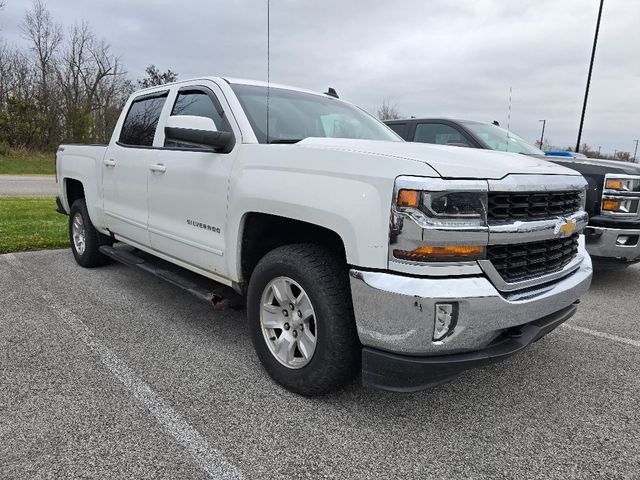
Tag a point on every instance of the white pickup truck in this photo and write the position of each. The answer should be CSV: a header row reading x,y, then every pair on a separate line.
x,y
356,251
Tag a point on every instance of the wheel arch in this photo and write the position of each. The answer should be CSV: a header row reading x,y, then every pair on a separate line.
x,y
73,190
263,232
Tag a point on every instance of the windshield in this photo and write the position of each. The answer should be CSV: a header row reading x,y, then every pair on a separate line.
x,y
497,138
295,115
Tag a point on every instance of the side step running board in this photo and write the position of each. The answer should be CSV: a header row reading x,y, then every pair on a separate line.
x,y
219,295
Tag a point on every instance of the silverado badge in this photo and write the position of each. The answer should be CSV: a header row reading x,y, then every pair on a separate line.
x,y
565,227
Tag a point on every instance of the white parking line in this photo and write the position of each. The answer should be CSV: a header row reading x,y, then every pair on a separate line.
x,y
208,458
596,333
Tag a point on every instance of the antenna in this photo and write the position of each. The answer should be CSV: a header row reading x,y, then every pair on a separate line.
x,y
332,92
508,120
268,64
586,92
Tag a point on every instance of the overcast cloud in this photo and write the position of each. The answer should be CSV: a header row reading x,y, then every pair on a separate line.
x,y
431,58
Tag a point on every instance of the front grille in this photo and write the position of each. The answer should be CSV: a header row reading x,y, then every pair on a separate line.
x,y
532,205
522,261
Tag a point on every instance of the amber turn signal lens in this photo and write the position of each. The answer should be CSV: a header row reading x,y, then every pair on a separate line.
x,y
613,184
612,205
409,198
428,252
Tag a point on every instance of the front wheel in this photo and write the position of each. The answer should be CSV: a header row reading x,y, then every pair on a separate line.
x,y
301,319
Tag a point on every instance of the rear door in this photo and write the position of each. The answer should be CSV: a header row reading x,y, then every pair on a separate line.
x,y
188,186
125,169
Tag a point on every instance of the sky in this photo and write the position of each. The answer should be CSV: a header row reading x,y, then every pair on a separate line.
x,y
435,58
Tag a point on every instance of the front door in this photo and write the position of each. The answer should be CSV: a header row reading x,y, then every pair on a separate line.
x,y
188,190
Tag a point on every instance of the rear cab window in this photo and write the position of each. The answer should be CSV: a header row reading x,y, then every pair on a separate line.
x,y
141,122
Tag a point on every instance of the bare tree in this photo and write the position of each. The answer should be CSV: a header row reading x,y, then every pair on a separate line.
x,y
2,4
88,76
590,152
387,111
5,73
63,86
546,145
623,156
111,95
45,37
156,77
20,120
75,64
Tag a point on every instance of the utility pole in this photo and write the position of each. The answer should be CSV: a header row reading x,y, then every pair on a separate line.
x,y
599,147
586,92
615,152
635,151
544,122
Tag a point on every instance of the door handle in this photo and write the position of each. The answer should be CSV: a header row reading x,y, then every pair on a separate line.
x,y
158,168
109,163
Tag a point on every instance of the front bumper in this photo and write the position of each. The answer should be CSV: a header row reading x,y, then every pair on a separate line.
x,y
403,373
396,313
604,243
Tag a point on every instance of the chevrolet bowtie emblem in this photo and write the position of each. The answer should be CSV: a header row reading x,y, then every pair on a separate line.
x,y
565,227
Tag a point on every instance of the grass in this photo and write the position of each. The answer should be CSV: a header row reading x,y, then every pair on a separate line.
x,y
27,163
31,223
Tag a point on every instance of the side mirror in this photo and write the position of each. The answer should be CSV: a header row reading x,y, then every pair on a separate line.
x,y
197,131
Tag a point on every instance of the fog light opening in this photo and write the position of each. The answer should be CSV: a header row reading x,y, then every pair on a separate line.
x,y
627,240
446,318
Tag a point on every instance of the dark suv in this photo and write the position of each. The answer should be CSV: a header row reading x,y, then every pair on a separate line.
x,y
613,194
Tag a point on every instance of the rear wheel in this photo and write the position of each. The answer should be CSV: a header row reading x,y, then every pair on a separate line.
x,y
301,319
84,238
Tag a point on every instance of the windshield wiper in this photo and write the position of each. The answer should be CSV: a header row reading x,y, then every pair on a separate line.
x,y
286,140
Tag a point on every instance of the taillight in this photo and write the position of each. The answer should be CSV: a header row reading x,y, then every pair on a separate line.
x,y
55,160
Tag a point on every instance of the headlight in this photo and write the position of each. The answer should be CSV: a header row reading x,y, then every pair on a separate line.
x,y
622,184
444,208
456,204
621,195
446,222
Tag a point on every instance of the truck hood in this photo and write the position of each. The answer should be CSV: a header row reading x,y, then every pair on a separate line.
x,y
448,161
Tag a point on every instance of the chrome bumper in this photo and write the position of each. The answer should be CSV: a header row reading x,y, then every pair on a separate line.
x,y
396,313
603,242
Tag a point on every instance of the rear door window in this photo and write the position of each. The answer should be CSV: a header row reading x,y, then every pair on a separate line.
x,y
440,134
140,125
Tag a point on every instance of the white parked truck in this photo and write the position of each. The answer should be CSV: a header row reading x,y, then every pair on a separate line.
x,y
356,251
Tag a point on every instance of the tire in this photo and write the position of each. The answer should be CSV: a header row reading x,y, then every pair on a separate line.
x,y
86,251
319,275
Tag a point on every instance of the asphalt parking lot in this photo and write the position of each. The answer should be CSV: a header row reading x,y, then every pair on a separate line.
x,y
109,373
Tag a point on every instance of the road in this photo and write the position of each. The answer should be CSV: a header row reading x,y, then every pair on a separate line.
x,y
27,185
109,373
